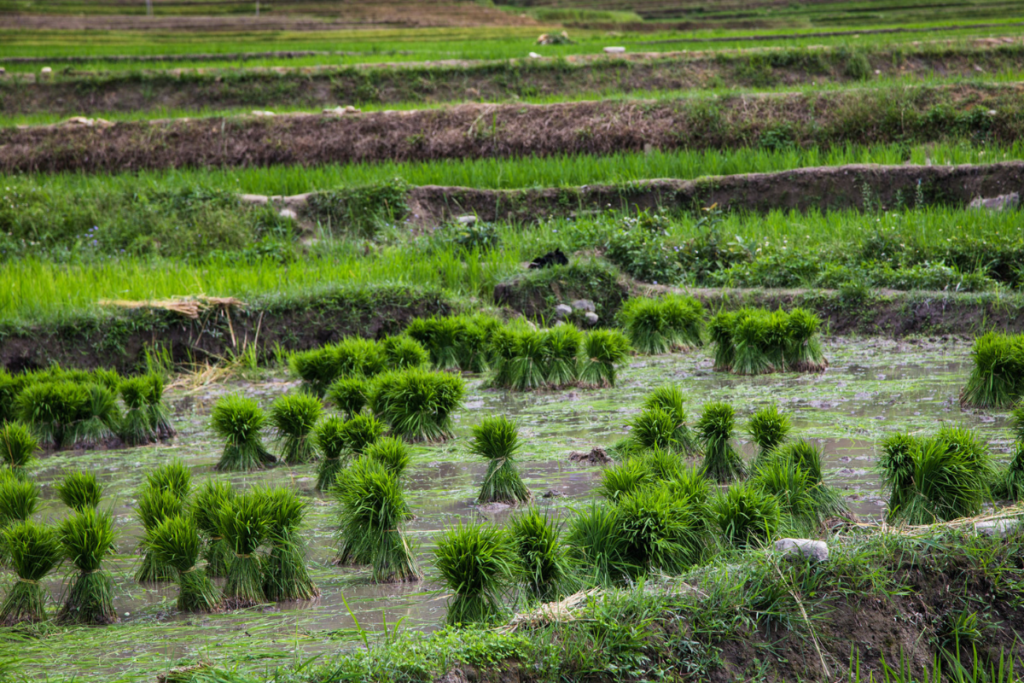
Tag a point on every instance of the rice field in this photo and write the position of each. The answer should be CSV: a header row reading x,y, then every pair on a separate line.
x,y
369,434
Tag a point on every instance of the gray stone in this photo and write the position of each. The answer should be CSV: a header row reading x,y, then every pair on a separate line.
x,y
288,213
997,527
562,311
997,203
812,550
466,220
584,305
591,318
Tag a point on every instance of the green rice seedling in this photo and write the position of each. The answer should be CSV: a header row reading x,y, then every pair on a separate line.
x,y
1017,423
175,543
927,481
791,486
768,428
156,407
655,428
497,439
239,421
504,347
285,573
401,352
454,342
997,372
625,478
1011,484
390,452
10,387
760,339
18,447
317,369
348,395
361,431
87,538
975,452
602,351
476,562
720,329
52,409
211,497
689,484
684,320
19,499
660,532
372,522
645,325
293,418
803,352
100,418
154,506
597,547
670,399
714,431
417,404
329,437
174,477
136,428
107,378
562,345
80,491
33,551
746,515
543,565
242,523
358,357
828,502
528,368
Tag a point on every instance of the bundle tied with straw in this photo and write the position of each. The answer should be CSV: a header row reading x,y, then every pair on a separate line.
x,y
476,563
80,491
602,351
243,526
285,573
154,506
87,538
330,440
34,551
715,430
156,408
18,447
136,426
175,543
293,418
211,497
497,440
239,421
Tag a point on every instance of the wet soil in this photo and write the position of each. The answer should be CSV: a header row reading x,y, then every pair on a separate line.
x,y
500,131
872,388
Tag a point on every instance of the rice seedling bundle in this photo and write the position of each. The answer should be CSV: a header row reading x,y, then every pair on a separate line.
x,y
154,506
997,372
401,352
714,432
655,428
417,404
828,502
597,547
660,532
52,409
156,407
1012,482
80,491
454,342
329,437
768,428
504,346
18,447
656,326
789,484
760,338
242,523
543,565
33,551
293,418
390,452
239,421
351,357
690,485
803,349
361,431
285,573
211,497
358,357
669,398
967,443
756,341
527,368
372,522
19,498
87,538
497,439
602,351
720,334
175,477
476,562
625,478
348,395
10,388
317,369
136,426
929,481
100,417
746,515
175,543
562,345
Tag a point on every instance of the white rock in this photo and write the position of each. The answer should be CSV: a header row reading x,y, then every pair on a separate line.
x,y
342,110
997,203
591,318
813,550
998,527
466,220
534,55
2,71
258,199
46,71
614,50
584,305
561,311
260,112
288,213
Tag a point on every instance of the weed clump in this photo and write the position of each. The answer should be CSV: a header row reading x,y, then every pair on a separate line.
x,y
33,551
210,499
475,561
746,515
87,538
756,341
242,524
175,543
602,351
80,491
671,323
543,565
497,439
293,418
239,421
285,573
417,404
714,432
18,447
997,372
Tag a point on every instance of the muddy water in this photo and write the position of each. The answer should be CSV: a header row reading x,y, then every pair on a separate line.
x,y
872,388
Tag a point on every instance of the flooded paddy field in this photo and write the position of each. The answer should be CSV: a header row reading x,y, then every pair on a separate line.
x,y
873,387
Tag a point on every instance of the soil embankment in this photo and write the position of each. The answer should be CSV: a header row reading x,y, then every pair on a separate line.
x,y
908,115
